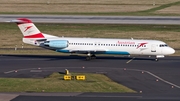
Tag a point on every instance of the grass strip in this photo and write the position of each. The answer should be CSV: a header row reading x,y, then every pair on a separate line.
x,y
160,7
134,13
55,83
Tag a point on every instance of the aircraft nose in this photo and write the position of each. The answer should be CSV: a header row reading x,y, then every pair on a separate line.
x,y
168,51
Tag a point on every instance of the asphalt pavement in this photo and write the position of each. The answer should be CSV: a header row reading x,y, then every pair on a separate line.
x,y
157,81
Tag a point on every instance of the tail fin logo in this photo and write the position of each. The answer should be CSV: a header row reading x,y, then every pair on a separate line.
x,y
28,27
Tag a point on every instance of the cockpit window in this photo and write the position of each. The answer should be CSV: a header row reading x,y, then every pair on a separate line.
x,y
163,45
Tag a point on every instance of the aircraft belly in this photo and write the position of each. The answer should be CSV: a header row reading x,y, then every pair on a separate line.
x,y
110,50
117,52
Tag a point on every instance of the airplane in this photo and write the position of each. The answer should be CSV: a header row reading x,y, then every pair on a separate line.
x,y
91,46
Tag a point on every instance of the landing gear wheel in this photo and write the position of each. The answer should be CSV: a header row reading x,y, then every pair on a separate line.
x,y
93,56
88,58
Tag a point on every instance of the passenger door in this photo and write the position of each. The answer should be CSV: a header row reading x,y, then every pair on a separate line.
x,y
153,48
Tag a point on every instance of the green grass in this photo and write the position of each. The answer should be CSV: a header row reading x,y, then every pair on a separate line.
x,y
47,27
151,11
96,27
139,13
135,13
55,83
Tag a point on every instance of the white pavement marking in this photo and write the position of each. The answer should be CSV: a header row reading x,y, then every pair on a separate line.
x,y
19,70
7,97
113,96
130,60
163,80
35,70
9,72
41,94
22,59
156,77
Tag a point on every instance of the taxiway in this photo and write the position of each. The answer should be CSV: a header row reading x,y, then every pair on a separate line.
x,y
96,19
151,79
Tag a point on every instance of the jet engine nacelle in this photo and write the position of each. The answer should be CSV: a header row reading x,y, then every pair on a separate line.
x,y
56,43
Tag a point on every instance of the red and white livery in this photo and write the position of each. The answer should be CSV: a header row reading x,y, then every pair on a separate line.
x,y
91,46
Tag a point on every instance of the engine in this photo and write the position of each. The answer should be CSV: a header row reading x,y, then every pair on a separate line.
x,y
56,43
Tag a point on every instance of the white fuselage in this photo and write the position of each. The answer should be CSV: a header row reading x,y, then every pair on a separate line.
x,y
116,46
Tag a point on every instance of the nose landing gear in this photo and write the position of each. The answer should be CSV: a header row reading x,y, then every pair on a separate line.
x,y
158,56
156,59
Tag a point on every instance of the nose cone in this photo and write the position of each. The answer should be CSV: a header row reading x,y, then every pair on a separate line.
x,y
168,51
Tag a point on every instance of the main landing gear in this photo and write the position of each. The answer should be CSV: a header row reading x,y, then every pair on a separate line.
x,y
156,59
90,57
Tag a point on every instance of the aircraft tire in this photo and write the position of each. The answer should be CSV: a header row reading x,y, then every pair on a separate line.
x,y
88,58
93,56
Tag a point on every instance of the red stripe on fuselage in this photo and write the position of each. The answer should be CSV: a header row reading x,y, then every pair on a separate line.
x,y
39,35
